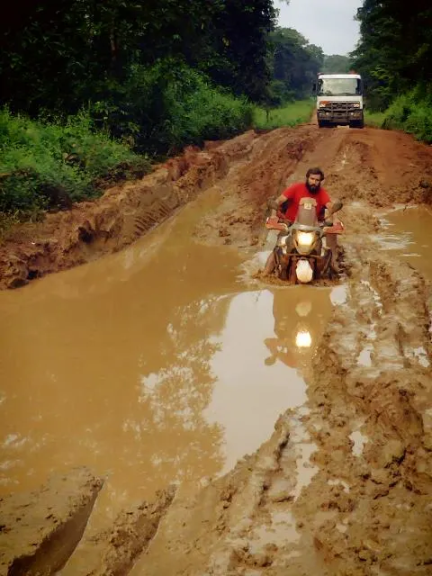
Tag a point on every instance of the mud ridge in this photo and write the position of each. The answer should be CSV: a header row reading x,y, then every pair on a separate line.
x,y
111,552
38,532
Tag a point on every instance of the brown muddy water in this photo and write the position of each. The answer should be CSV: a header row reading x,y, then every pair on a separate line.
x,y
163,363
408,232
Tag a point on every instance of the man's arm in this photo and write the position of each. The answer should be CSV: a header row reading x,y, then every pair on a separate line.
x,y
287,195
275,204
333,206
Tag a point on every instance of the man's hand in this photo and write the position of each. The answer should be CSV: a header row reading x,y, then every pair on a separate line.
x,y
272,204
334,207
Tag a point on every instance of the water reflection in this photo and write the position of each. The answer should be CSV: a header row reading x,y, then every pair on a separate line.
x,y
303,339
150,365
408,232
155,390
252,388
300,317
118,378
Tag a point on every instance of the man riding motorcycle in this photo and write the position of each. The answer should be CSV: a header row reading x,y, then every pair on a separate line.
x,y
285,207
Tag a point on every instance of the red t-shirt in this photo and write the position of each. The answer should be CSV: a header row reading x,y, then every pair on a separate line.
x,y
298,191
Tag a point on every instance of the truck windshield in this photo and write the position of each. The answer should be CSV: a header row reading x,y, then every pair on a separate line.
x,y
339,87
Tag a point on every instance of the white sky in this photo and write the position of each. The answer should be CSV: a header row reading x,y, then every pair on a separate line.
x,y
327,23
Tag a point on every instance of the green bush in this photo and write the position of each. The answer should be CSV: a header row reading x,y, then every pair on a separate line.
x,y
374,119
51,165
162,108
412,113
157,110
198,111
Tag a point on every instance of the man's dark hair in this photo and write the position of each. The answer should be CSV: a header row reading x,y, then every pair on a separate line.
x,y
315,171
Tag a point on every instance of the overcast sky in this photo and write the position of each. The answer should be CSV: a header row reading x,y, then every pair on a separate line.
x,y
327,23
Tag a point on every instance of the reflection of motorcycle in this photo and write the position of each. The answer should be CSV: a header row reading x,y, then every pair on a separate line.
x,y
294,349
300,319
305,250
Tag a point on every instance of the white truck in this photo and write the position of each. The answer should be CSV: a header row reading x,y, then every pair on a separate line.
x,y
340,100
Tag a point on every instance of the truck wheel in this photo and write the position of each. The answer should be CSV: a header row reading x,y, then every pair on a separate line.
x,y
357,124
322,123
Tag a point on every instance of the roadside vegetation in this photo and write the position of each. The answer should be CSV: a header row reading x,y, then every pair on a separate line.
x,y
394,56
93,93
374,119
291,114
46,165
410,113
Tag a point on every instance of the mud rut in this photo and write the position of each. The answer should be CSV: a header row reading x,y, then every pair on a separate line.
x,y
366,430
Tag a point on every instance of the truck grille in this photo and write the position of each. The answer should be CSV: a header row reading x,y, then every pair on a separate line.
x,y
340,106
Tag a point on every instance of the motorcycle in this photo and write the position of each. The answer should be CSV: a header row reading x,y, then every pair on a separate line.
x,y
304,251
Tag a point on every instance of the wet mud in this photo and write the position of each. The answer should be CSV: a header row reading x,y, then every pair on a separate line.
x,y
407,232
293,424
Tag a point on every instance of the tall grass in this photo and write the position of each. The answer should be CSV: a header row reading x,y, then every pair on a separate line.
x,y
291,114
374,119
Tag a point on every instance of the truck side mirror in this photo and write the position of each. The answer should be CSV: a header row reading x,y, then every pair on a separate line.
x,y
314,87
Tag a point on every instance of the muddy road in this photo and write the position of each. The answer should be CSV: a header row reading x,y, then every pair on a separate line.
x,y
228,426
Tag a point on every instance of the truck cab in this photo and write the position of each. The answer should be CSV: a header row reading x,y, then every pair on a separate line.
x,y
340,100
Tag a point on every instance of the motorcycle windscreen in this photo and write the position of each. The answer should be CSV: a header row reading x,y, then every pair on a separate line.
x,y
307,212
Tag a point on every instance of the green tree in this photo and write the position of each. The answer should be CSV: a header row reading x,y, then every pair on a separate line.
x,y
61,54
395,49
295,63
336,64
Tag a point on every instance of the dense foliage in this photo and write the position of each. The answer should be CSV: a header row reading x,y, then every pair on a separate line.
x,y
153,74
394,56
45,165
395,50
87,85
60,55
294,64
336,64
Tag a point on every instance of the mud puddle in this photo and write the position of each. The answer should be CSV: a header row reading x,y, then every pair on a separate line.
x,y
155,365
407,232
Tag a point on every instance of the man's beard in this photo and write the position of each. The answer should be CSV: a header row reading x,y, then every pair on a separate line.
x,y
313,189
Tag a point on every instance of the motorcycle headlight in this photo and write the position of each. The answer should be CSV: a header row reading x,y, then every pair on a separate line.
x,y
305,239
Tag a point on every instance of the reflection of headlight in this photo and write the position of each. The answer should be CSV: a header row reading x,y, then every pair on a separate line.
x,y
305,238
303,339
303,308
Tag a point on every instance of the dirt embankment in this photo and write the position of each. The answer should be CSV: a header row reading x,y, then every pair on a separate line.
x,y
121,215
39,531
344,485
